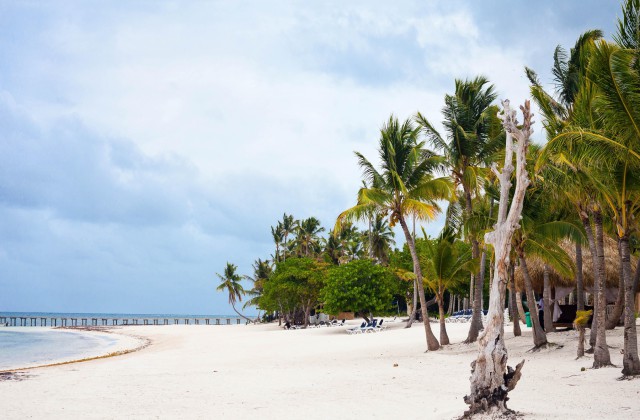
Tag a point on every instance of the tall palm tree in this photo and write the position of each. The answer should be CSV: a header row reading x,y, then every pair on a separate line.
x,y
230,282
278,236
575,106
289,225
307,236
473,136
405,186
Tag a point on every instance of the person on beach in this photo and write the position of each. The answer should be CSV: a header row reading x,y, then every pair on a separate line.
x,y
541,311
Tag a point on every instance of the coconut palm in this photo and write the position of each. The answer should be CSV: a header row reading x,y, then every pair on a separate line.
x,y
261,272
278,236
576,95
612,150
404,187
289,225
307,240
473,136
540,232
230,282
381,238
446,262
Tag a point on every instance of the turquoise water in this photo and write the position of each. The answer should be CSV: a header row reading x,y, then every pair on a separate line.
x,y
29,347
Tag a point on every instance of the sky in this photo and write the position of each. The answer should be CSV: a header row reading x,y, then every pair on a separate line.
x,y
144,144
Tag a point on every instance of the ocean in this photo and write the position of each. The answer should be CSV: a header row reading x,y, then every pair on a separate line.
x,y
21,347
23,341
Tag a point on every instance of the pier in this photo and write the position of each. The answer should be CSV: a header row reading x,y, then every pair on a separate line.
x,y
61,321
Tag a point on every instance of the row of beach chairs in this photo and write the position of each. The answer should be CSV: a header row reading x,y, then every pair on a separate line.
x,y
334,323
464,316
370,327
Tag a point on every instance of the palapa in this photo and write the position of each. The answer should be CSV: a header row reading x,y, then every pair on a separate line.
x,y
612,267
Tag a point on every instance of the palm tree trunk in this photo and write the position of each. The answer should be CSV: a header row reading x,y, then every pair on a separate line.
x,y
444,337
579,279
580,352
601,355
614,318
512,298
586,223
451,303
523,318
414,311
539,336
477,283
630,360
432,341
548,304
234,308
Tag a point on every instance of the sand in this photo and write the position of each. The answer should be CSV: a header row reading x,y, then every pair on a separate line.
x,y
265,372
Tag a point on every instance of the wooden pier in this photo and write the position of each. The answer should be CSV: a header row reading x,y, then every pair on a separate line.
x,y
32,321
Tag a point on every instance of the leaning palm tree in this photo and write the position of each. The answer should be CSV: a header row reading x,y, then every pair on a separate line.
x,y
404,187
230,282
473,136
262,270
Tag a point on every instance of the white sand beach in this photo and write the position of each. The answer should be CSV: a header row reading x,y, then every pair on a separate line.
x,y
262,371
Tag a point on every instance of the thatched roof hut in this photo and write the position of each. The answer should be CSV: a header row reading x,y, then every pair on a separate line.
x,y
612,268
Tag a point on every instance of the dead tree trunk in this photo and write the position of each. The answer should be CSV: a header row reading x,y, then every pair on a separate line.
x,y
491,379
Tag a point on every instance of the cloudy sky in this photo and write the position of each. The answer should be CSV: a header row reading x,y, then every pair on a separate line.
x,y
144,144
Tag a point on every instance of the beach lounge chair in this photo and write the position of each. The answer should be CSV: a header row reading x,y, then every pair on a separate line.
x,y
357,330
380,326
371,327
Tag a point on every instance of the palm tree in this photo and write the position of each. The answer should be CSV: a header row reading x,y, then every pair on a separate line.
x,y
307,236
612,150
541,229
446,261
289,224
474,135
404,187
230,282
381,238
278,235
575,106
261,272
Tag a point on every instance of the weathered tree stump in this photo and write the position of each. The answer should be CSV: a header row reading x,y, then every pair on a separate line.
x,y
491,378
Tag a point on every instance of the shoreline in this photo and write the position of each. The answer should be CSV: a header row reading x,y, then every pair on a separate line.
x,y
125,344
265,371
